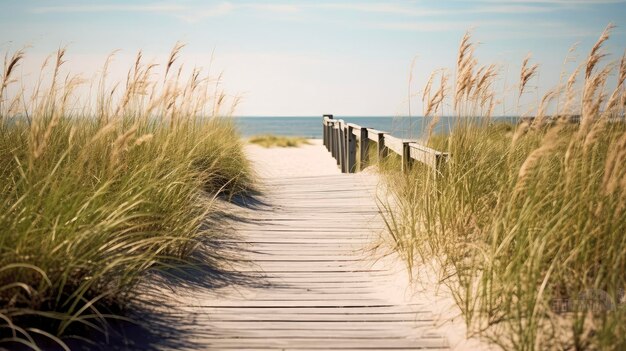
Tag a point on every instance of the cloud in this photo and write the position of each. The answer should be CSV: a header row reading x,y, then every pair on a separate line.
x,y
556,2
456,26
509,9
197,11
405,10
387,8
285,8
108,8
194,12
196,15
436,26
189,12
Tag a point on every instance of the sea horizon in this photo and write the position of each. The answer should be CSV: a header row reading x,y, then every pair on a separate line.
x,y
311,126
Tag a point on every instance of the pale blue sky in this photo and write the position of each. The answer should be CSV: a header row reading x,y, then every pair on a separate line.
x,y
313,57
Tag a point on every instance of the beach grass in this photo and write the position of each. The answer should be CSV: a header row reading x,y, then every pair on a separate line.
x,y
94,196
524,223
278,141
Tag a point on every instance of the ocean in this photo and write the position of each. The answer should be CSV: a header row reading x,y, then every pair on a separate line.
x,y
311,127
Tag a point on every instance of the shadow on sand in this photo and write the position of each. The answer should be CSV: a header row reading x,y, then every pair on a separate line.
x,y
160,317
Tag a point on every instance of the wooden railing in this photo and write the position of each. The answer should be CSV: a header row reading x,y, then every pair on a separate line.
x,y
341,140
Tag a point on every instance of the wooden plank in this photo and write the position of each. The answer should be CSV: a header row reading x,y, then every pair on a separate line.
x,y
342,147
331,126
336,343
329,135
376,131
317,318
308,280
327,333
382,310
325,131
351,150
323,279
407,161
363,149
382,147
427,156
394,144
317,303
336,142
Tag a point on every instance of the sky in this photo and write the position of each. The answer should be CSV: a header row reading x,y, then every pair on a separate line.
x,y
307,58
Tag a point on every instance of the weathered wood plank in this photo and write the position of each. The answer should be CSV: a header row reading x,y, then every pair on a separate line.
x,y
383,310
307,249
354,126
326,123
394,144
351,150
409,150
342,146
426,155
337,144
335,343
363,149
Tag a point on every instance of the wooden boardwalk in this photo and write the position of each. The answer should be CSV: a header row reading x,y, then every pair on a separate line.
x,y
321,288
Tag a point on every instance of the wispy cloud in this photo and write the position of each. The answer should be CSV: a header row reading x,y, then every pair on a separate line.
x,y
286,8
509,9
198,14
193,12
456,26
415,11
409,16
189,12
108,8
436,26
556,2
384,8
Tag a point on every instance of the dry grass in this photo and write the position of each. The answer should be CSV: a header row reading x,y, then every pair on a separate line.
x,y
278,141
526,222
94,196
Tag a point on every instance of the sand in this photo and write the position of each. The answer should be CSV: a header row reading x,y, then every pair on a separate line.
x,y
422,288
199,313
303,161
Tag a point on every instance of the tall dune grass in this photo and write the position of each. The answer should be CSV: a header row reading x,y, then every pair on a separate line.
x,y
269,141
525,223
95,195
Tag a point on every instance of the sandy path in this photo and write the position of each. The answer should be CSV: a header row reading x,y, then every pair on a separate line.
x,y
303,272
311,244
304,161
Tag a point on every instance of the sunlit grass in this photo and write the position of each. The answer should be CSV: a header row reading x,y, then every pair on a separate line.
x,y
92,200
525,223
278,141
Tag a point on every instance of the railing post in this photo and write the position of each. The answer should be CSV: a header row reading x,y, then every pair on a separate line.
x,y
328,135
351,150
344,129
341,139
336,143
325,131
382,149
342,147
331,134
324,136
363,149
440,163
407,161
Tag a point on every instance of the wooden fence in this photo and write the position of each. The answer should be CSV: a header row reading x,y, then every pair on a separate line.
x,y
341,140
